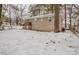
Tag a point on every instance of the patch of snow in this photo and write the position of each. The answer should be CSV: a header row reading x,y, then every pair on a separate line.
x,y
23,42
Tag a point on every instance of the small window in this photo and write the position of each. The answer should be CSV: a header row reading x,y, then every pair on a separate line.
x,y
49,18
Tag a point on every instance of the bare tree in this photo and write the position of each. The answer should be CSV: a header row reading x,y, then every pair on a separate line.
x,y
4,9
15,11
19,12
10,16
56,21
22,12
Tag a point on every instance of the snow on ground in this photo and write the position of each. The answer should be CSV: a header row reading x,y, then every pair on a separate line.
x,y
23,42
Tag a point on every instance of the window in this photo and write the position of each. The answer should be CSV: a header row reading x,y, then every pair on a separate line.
x,y
49,18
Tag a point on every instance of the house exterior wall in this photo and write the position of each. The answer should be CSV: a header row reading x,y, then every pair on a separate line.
x,y
43,25
76,26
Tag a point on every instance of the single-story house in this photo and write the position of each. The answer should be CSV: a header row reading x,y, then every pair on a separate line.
x,y
41,23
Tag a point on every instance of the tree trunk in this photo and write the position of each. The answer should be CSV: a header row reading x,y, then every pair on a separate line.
x,y
70,16
0,13
65,16
16,21
56,21
51,6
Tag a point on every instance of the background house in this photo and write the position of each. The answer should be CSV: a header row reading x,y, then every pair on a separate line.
x,y
41,23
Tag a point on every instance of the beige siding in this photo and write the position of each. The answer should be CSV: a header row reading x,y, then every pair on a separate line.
x,y
44,25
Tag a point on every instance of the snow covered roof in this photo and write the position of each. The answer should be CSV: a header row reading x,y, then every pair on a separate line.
x,y
40,16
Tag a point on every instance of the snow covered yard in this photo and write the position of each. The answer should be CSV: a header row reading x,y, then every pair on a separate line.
x,y
24,42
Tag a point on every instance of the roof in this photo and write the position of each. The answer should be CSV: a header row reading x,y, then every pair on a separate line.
x,y
41,16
